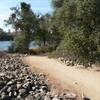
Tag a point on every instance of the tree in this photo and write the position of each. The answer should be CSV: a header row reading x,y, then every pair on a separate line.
x,y
57,3
23,20
79,21
5,36
41,36
47,35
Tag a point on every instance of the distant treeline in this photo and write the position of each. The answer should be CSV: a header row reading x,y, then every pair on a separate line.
x,y
5,36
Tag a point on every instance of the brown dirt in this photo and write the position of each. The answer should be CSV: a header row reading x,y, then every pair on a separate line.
x,y
77,80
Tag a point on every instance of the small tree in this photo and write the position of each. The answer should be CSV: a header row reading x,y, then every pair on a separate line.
x,y
23,20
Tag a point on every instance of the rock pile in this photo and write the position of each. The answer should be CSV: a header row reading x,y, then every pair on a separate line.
x,y
17,82
66,61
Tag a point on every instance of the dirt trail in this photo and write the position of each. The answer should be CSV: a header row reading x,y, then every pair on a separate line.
x,y
83,81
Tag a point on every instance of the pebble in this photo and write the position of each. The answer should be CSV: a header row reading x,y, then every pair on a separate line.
x,y
18,85
56,98
47,98
71,96
17,82
22,92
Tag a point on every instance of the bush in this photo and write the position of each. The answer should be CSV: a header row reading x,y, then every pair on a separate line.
x,y
79,48
40,50
20,44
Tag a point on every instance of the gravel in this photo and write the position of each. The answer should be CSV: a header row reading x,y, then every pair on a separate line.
x,y
17,82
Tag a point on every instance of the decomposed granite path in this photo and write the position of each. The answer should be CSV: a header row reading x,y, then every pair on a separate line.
x,y
83,81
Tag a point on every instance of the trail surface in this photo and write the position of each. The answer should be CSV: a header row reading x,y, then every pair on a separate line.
x,y
82,81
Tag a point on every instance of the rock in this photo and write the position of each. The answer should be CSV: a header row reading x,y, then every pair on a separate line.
x,y
9,89
18,85
44,88
10,83
7,67
70,96
5,97
26,84
84,97
61,59
2,74
33,88
2,83
10,94
55,98
47,98
29,97
17,82
4,89
19,97
15,93
22,92
37,95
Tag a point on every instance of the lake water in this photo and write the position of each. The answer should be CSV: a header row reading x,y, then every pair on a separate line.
x,y
5,44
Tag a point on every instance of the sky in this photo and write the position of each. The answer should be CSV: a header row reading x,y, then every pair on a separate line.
x,y
38,6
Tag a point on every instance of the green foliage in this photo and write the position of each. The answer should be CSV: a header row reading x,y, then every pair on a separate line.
x,y
57,3
41,50
74,29
19,44
79,21
46,36
5,36
41,36
23,20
